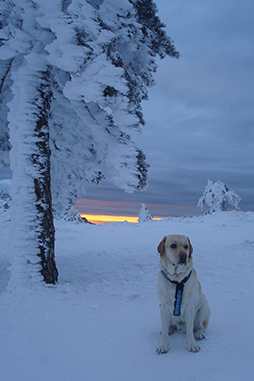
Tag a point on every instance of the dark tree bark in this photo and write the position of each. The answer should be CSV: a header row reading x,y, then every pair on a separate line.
x,y
42,185
5,75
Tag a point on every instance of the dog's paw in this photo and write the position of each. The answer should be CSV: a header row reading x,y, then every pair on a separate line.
x,y
162,349
193,347
199,334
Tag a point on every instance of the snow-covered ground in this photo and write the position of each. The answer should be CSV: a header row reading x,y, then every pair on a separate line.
x,y
101,322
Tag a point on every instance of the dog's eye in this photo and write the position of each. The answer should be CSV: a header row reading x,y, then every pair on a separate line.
x,y
173,246
186,247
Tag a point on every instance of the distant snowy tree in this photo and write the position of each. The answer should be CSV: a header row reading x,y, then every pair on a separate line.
x,y
144,214
72,77
218,197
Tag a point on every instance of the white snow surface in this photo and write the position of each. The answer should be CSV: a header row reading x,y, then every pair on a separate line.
x,y
102,321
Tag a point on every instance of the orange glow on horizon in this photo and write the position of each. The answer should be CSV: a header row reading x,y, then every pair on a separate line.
x,y
100,219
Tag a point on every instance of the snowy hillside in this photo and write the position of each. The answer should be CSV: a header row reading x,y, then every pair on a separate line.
x,y
102,321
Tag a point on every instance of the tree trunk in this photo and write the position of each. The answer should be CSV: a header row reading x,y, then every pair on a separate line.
x,y
42,185
32,226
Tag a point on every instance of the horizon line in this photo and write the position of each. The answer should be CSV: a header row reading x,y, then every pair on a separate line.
x,y
99,219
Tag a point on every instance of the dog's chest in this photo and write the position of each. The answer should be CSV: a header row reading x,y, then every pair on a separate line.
x,y
168,296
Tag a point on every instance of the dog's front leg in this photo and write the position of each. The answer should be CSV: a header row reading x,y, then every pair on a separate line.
x,y
193,347
165,316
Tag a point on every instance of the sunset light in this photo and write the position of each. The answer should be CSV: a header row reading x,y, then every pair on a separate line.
x,y
100,219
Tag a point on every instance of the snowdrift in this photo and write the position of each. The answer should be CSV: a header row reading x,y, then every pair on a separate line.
x,y
101,322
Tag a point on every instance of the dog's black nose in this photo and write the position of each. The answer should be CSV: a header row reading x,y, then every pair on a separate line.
x,y
182,257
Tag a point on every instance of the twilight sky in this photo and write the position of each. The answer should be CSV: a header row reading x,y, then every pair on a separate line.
x,y
200,114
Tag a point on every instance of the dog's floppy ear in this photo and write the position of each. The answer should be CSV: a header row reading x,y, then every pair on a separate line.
x,y
161,246
190,248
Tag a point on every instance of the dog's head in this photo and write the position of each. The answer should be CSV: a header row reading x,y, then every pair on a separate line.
x,y
175,250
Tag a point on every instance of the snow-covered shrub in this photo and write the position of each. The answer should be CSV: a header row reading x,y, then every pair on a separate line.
x,y
144,214
5,198
218,197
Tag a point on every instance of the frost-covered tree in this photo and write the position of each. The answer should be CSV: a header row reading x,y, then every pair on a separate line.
x,y
25,108
144,214
218,197
73,75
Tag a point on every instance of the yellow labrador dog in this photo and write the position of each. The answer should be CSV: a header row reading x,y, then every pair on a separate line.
x,y
183,305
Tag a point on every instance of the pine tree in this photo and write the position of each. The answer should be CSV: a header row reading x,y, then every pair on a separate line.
x,y
218,197
31,209
73,75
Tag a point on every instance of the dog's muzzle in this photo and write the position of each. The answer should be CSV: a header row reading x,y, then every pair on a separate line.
x,y
182,258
